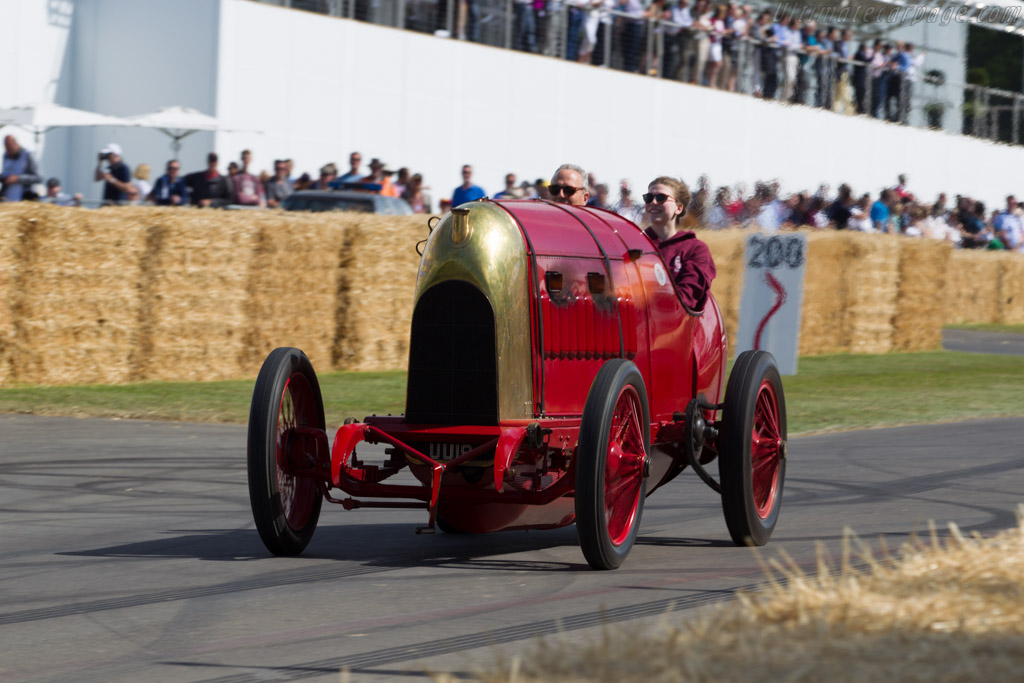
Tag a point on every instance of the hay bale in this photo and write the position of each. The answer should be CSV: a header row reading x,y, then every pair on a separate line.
x,y
75,299
293,286
10,228
972,287
823,322
872,277
195,295
920,301
1011,288
375,291
727,247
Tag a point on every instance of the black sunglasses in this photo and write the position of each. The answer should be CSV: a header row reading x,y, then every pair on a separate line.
x,y
659,198
568,190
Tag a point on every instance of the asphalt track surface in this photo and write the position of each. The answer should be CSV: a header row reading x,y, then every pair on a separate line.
x,y
129,554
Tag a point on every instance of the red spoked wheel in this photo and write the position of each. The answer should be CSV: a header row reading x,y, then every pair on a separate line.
x,y
752,448
611,464
285,507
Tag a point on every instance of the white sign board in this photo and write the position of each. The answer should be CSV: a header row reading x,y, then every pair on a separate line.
x,y
773,291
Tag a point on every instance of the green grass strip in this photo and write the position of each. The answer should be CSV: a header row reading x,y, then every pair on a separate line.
x,y
830,393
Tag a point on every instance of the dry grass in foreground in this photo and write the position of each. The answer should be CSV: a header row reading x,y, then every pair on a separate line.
x,y
947,610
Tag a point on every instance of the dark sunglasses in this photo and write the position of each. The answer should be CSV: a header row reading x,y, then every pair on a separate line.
x,y
567,190
659,198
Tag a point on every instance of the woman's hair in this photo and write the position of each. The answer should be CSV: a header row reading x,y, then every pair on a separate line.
x,y
680,192
142,172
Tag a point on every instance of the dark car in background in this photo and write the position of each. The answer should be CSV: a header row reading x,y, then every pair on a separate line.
x,y
346,200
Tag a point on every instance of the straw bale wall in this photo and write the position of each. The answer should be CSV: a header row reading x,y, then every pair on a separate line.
x,y
727,249
9,230
823,320
378,269
73,296
921,307
137,293
972,287
1011,288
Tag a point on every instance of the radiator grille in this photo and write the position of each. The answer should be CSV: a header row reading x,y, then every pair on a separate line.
x,y
452,375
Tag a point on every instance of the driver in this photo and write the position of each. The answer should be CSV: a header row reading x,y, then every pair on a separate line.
x,y
568,186
688,258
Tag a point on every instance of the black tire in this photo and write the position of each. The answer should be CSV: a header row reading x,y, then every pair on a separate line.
x,y
753,476
608,528
285,522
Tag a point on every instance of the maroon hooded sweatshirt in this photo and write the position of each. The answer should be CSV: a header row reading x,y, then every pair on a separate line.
x,y
690,264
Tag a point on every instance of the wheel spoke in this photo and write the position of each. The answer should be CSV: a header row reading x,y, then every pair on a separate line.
x,y
297,494
623,467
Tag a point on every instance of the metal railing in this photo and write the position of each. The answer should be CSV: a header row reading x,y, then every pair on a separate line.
x,y
594,34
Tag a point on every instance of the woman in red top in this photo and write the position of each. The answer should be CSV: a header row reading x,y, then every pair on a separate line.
x,y
688,259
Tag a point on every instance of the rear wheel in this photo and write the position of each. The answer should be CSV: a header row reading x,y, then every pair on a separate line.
x,y
611,462
752,448
286,508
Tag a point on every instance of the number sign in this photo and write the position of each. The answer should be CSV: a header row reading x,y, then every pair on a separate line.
x,y
773,289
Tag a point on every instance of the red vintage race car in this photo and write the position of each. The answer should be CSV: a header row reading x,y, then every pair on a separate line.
x,y
554,377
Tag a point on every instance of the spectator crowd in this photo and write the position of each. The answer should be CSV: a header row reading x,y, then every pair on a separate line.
x,y
964,222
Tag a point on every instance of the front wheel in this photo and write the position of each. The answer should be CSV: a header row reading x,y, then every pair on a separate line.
x,y
611,464
285,508
752,448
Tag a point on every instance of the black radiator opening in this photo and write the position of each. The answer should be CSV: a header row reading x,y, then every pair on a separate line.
x,y
452,375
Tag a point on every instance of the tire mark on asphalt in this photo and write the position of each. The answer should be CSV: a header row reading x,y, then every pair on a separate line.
x,y
499,636
269,581
902,487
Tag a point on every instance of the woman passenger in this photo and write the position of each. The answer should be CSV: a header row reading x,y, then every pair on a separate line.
x,y
689,260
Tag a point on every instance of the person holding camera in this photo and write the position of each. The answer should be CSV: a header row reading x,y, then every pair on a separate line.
x,y
117,177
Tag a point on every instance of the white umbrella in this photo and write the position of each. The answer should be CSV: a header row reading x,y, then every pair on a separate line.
x,y
44,116
179,122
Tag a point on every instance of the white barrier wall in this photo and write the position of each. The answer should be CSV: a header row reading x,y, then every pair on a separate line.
x,y
319,87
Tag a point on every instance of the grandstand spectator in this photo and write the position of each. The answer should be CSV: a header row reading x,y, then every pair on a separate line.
x,y
354,174
769,52
677,38
839,211
170,188
715,50
574,32
290,166
630,33
303,182
1008,227
55,196
278,187
19,172
208,188
626,206
380,176
599,199
864,55
511,191
117,177
467,191
142,185
415,194
699,44
540,189
246,158
525,26
881,211
880,79
718,215
401,181
246,189
860,215
328,173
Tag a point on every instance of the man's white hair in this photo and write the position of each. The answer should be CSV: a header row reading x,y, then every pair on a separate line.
x,y
570,167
